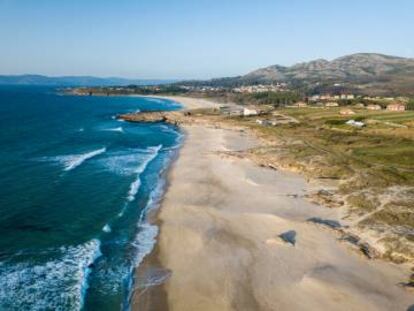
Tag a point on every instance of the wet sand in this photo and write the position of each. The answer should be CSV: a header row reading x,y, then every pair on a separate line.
x,y
220,223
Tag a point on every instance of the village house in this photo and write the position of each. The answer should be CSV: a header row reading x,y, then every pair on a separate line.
x,y
325,97
331,104
396,107
346,111
250,112
374,107
249,89
314,98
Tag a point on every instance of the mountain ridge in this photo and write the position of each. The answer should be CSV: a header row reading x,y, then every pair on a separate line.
x,y
370,73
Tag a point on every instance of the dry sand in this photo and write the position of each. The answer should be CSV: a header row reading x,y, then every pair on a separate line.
x,y
219,226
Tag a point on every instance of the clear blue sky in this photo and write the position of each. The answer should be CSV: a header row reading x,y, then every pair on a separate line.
x,y
193,38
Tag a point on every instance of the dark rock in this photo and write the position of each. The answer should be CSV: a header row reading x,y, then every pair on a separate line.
x,y
369,251
289,237
333,224
351,238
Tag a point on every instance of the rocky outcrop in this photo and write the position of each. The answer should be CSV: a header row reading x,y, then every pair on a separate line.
x,y
173,117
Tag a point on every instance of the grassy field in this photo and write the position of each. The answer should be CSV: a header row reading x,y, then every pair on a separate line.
x,y
383,147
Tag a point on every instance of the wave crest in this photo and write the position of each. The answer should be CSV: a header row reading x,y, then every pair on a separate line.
x,y
115,129
134,187
71,162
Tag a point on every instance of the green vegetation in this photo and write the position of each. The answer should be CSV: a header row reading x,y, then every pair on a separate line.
x,y
374,166
167,89
383,152
362,203
410,104
275,99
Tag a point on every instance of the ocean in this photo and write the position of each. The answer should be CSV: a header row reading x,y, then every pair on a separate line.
x,y
75,185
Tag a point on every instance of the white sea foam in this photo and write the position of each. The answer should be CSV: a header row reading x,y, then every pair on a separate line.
x,y
144,241
122,212
116,129
167,129
59,284
134,187
147,232
106,228
170,129
155,100
146,238
152,152
122,162
153,200
71,162
152,277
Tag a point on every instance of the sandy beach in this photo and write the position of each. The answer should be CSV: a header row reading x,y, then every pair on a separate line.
x,y
235,236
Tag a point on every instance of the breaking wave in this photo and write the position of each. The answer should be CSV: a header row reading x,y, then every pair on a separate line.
x,y
155,100
116,129
134,187
71,162
144,242
58,284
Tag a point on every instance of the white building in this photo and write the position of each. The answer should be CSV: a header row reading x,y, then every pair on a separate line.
x,y
250,112
355,123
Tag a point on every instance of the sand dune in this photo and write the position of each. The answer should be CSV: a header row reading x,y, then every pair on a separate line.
x,y
220,225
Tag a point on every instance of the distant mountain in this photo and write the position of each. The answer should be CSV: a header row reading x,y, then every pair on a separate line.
x,y
74,81
357,67
364,72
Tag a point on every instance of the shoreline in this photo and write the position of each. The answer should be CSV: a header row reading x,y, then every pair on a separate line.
x,y
185,102
197,279
153,297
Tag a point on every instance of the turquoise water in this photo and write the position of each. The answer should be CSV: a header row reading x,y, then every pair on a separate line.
x,y
74,186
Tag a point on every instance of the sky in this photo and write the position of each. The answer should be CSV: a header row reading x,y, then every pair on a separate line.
x,y
193,39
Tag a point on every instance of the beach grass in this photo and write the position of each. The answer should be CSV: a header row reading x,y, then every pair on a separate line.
x,y
389,156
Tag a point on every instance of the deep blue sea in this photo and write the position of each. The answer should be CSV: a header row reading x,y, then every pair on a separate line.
x,y
74,187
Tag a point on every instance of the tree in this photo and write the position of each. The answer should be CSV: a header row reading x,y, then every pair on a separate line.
x,y
410,104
